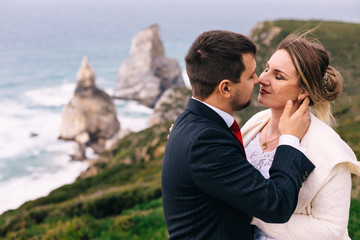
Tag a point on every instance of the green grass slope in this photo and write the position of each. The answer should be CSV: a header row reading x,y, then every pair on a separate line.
x,y
119,197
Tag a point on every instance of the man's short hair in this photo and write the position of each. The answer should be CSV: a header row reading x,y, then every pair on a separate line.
x,y
214,56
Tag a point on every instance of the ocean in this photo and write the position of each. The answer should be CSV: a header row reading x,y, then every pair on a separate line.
x,y
42,44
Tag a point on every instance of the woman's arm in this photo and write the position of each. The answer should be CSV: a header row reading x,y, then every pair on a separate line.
x,y
329,214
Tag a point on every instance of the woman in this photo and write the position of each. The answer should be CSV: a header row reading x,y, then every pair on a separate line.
x,y
300,68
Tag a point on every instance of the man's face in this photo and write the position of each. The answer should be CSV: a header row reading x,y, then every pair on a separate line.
x,y
243,90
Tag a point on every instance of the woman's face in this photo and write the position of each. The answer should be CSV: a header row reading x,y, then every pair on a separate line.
x,y
279,81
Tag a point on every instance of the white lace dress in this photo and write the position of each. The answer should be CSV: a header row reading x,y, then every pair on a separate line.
x,y
261,161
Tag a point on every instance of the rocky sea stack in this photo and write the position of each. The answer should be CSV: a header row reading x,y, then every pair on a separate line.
x,y
171,103
90,116
147,73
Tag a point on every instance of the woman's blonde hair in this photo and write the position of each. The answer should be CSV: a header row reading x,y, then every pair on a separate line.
x,y
322,81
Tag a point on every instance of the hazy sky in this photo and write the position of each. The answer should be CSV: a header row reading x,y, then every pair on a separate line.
x,y
229,10
83,22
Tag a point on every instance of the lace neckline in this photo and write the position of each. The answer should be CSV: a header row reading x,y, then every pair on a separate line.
x,y
262,161
255,142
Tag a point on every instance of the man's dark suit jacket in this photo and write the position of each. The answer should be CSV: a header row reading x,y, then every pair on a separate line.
x,y
210,190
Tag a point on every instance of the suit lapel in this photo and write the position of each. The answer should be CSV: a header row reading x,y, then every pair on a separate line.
x,y
204,111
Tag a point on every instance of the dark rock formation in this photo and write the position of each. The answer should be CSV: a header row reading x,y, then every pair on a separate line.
x,y
147,73
170,105
90,116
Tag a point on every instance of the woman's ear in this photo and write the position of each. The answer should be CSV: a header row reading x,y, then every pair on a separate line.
x,y
303,94
224,88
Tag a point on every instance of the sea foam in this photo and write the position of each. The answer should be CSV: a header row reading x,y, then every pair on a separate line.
x,y
25,129
15,192
52,96
29,145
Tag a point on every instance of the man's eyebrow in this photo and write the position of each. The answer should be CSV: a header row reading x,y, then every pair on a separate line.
x,y
255,70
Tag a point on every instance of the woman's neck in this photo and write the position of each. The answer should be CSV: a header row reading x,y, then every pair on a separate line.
x,y
273,128
269,137
276,115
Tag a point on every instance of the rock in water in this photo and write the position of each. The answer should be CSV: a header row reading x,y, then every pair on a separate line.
x,y
147,73
90,117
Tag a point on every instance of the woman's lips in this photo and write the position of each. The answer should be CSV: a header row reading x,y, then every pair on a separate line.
x,y
263,91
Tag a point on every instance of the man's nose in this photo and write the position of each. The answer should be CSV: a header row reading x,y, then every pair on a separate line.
x,y
256,79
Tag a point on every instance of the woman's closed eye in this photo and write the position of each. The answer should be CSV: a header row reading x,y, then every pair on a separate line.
x,y
279,77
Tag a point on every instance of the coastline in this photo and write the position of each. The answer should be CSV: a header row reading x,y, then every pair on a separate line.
x,y
44,164
17,191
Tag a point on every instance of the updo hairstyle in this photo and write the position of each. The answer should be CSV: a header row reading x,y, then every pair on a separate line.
x,y
322,81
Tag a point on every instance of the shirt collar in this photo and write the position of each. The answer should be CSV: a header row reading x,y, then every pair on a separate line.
x,y
224,115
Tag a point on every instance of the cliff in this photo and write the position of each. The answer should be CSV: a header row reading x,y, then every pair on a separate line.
x,y
171,103
147,73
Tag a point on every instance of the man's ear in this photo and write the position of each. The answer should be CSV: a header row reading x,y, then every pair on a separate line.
x,y
224,88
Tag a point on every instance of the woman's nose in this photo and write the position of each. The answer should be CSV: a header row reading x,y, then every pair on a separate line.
x,y
264,79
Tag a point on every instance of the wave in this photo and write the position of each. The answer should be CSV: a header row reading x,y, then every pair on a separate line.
x,y
19,190
26,130
132,115
52,96
32,159
186,78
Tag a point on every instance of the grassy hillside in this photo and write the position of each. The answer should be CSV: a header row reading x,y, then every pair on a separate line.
x,y
342,40
113,200
119,196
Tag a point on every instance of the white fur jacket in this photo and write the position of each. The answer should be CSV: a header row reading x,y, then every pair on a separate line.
x,y
322,211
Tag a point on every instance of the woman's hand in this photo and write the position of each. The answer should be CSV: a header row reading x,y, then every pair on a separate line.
x,y
170,128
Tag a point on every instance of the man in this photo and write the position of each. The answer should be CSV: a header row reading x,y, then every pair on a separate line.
x,y
210,190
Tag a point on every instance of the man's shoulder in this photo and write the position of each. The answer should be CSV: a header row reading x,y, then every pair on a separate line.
x,y
190,127
196,124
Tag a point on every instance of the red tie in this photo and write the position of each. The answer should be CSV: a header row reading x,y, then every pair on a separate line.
x,y
236,130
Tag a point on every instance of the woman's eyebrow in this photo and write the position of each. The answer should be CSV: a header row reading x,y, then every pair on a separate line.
x,y
277,70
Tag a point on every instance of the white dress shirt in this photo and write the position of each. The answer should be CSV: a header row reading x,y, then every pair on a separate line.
x,y
283,140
